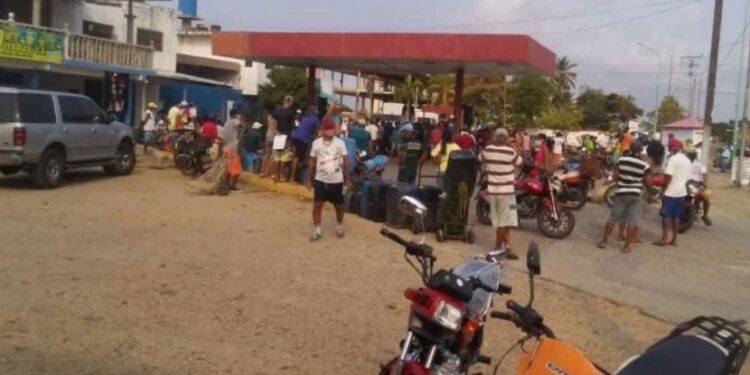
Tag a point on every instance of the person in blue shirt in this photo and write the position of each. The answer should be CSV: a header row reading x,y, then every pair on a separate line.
x,y
302,136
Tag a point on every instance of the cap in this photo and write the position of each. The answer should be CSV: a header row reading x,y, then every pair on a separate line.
x,y
152,105
501,132
675,143
257,125
288,98
183,104
328,127
407,127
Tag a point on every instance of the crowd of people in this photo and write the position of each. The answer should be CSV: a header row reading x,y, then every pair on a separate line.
x,y
292,141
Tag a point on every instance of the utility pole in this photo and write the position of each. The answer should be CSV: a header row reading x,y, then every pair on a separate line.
x,y
692,65
671,67
658,84
711,86
738,148
131,21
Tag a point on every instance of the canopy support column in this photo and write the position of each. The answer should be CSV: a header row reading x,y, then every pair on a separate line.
x,y
311,98
458,98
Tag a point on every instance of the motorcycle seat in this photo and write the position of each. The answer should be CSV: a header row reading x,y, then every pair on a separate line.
x,y
681,355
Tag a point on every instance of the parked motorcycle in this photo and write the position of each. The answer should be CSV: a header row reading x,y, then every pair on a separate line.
x,y
191,154
574,188
535,199
701,346
447,315
693,207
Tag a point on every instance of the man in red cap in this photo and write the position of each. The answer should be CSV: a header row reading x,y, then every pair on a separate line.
x,y
328,168
678,173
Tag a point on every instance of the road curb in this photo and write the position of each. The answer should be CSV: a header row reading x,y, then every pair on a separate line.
x,y
287,188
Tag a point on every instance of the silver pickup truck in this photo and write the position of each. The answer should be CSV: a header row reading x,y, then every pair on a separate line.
x,y
47,133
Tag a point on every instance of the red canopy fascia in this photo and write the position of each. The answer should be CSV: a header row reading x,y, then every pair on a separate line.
x,y
392,53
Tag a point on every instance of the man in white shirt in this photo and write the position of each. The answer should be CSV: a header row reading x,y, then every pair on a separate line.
x,y
558,148
373,130
699,177
328,172
678,173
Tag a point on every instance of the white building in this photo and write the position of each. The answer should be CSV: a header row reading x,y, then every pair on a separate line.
x,y
163,63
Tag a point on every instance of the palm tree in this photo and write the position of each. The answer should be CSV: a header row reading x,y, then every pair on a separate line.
x,y
564,81
442,88
409,91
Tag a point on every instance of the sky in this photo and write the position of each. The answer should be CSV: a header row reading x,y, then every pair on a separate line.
x,y
601,36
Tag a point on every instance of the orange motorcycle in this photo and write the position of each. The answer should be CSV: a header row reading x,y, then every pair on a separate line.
x,y
702,346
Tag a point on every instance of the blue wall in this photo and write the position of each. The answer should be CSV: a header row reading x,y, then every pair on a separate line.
x,y
211,99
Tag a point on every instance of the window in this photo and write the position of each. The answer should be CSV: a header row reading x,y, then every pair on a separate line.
x,y
98,30
145,37
36,108
80,110
8,108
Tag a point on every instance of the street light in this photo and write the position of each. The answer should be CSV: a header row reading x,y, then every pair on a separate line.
x,y
658,78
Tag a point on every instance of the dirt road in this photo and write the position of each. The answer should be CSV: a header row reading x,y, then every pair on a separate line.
x,y
138,275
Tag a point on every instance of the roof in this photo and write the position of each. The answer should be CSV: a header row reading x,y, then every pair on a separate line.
x,y
208,62
392,54
686,123
189,78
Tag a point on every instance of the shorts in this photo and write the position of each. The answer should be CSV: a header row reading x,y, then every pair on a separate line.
x,y
301,150
235,165
626,209
503,212
324,192
149,138
672,207
282,156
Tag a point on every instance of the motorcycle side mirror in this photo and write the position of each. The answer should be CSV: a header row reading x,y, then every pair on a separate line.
x,y
412,207
533,262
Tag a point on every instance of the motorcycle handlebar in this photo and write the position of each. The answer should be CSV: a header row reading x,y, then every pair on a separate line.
x,y
516,308
419,250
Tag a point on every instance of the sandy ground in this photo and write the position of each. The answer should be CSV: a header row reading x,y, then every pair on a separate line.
x,y
138,275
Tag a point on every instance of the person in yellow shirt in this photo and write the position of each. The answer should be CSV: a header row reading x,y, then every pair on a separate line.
x,y
441,154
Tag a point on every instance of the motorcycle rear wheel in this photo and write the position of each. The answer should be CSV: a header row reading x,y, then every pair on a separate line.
x,y
576,197
560,228
687,219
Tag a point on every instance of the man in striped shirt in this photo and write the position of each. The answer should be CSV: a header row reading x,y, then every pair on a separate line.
x,y
631,175
499,162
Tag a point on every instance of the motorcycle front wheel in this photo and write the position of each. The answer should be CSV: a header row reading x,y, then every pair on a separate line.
x,y
483,211
560,228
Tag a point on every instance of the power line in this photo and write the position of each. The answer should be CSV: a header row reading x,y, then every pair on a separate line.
x,y
548,18
613,23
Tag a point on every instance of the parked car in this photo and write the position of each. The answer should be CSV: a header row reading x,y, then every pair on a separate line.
x,y
48,133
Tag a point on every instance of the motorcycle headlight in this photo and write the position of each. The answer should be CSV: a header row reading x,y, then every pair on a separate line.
x,y
447,316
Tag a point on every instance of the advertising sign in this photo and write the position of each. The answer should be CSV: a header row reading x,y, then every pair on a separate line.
x,y
28,43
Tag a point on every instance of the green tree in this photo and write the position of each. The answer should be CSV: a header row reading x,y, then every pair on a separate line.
x,y
564,118
410,91
593,105
485,95
530,95
622,107
441,88
563,82
670,111
283,81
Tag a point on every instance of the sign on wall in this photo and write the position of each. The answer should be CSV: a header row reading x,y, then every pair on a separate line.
x,y
28,43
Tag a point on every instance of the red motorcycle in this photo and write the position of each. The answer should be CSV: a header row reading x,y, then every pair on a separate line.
x,y
536,198
574,188
447,315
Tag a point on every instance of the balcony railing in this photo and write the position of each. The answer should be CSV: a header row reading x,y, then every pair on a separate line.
x,y
108,52
85,48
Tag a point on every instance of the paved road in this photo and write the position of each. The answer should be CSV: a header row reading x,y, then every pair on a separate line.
x,y
709,273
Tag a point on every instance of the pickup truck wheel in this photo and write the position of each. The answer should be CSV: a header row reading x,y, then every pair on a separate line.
x,y
124,162
48,174
8,171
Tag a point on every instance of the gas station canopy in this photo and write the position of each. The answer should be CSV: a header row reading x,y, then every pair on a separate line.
x,y
392,54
